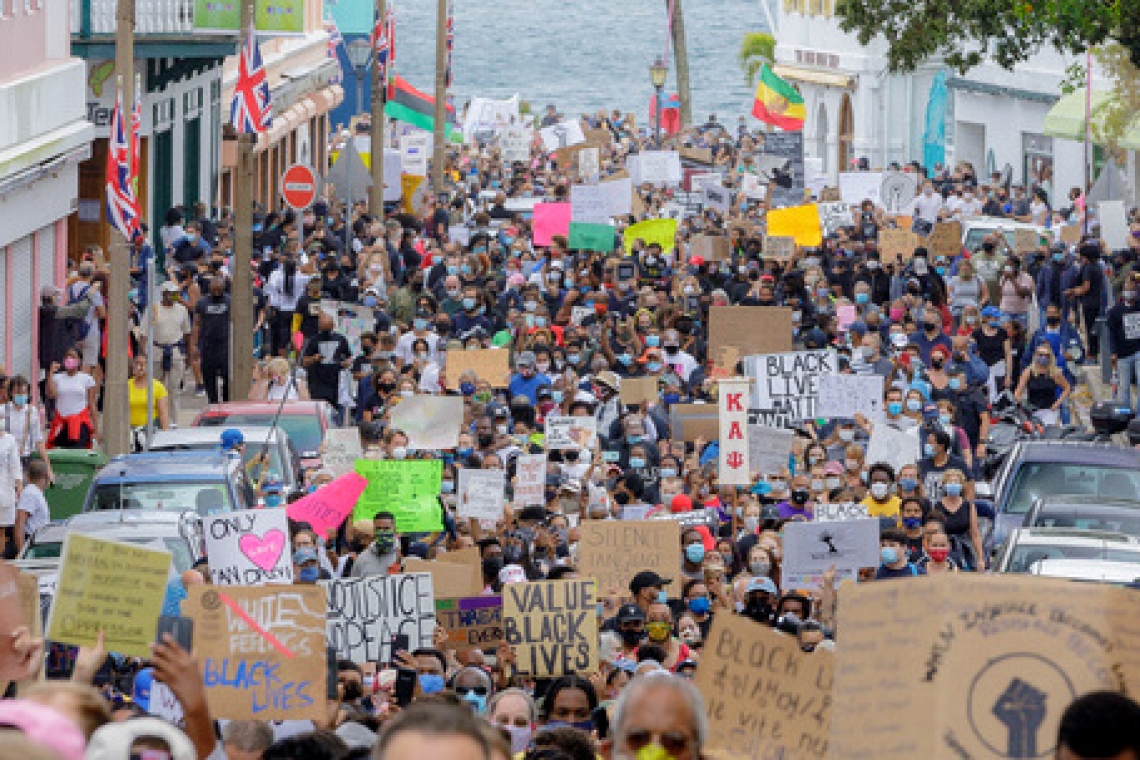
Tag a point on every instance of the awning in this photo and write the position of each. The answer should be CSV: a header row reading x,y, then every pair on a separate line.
x,y
814,76
314,104
1067,119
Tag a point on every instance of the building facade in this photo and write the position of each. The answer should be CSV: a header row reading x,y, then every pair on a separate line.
x,y
44,137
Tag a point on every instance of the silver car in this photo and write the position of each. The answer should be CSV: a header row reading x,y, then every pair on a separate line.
x,y
1069,553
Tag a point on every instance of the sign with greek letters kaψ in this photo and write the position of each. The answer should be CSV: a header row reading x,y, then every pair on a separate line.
x,y
786,386
365,613
734,463
249,548
553,627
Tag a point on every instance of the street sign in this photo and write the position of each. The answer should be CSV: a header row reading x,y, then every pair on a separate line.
x,y
299,187
348,175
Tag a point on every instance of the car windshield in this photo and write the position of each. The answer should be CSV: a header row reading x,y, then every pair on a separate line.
x,y
1038,479
250,452
304,430
178,547
1121,520
1026,555
202,497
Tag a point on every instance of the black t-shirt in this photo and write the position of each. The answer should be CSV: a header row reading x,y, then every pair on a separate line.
x,y
214,323
324,375
310,311
991,348
1094,276
931,475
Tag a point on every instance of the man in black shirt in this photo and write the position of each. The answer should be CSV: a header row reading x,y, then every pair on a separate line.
x,y
1087,294
324,357
212,335
1124,337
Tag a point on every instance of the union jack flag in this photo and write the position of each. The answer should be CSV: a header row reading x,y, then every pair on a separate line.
x,y
122,205
450,42
335,41
251,112
136,160
384,44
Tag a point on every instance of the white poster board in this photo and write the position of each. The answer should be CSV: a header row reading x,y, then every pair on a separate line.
x,y
341,450
811,548
514,143
658,167
590,203
430,422
564,134
895,447
415,149
249,548
844,396
480,494
574,433
786,385
530,480
364,614
769,448
856,187
833,216
1113,224
716,197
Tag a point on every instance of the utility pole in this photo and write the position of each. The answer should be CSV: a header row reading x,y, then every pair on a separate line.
x,y
115,420
379,90
241,285
439,155
681,56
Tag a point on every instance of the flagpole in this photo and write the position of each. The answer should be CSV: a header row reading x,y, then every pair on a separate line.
x,y
376,207
148,284
115,422
440,152
241,300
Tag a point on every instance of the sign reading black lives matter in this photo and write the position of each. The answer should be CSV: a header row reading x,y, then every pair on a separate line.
x,y
553,627
364,614
786,386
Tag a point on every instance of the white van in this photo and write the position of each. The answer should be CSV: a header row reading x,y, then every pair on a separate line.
x,y
977,229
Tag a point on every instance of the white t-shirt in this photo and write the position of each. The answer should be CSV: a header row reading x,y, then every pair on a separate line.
x,y
404,346
927,207
32,502
18,421
71,392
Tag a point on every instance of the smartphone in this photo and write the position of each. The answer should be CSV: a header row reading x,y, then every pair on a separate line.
x,y
400,643
331,673
181,628
625,272
405,686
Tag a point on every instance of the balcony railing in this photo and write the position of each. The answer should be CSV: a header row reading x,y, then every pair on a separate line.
x,y
167,17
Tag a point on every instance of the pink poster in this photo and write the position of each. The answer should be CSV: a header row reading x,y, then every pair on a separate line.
x,y
326,508
550,219
845,314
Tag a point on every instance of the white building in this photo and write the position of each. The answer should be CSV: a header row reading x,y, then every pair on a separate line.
x,y
989,117
44,135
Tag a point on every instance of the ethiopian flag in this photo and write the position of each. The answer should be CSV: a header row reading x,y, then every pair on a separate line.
x,y
777,102
409,105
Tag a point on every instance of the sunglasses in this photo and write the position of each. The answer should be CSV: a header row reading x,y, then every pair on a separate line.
x,y
675,743
478,690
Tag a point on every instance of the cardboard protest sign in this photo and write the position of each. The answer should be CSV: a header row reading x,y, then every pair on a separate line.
x,y
613,551
553,627
697,155
751,329
430,422
364,614
409,489
779,247
945,239
742,660
769,449
448,579
786,385
326,508
1071,234
895,447
249,548
896,243
844,396
834,512
690,422
341,450
711,247
639,390
490,364
733,461
480,494
262,650
564,432
530,480
468,556
1025,241
471,622
108,585
810,548
979,665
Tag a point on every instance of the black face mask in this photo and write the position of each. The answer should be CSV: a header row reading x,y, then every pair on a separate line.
x,y
759,610
631,638
1053,321
492,566
385,387
356,545
486,439
621,497
800,496
352,691
512,554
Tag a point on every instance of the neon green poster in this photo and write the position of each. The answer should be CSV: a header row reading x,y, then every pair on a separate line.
x,y
270,16
408,488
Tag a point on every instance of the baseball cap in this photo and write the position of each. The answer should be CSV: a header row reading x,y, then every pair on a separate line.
x,y
144,680
762,584
629,612
525,359
110,741
991,312
681,503
696,261
645,579
231,437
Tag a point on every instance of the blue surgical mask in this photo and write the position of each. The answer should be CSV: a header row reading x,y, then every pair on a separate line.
x,y
668,472
954,384
944,419
273,500
654,366
1058,257
632,439
953,489
928,449
573,359
465,269
671,398
700,605
636,462
625,359
448,486
452,269
370,301
21,399
430,683
464,452
420,323
889,555
908,484
941,270
695,553
653,340
910,523
862,298
581,725
468,303
556,396
467,389
540,321
309,574
478,702
913,404
662,597
894,408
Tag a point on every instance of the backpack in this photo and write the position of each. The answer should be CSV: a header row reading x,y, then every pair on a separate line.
x,y
78,327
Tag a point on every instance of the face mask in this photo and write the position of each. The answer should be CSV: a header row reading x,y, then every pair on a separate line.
x,y
760,568
309,574
862,298
1042,361
21,399
695,553
631,638
400,452
928,449
430,683
636,462
938,555
581,725
908,484
420,323
953,489
700,605
931,327
817,485
944,419
846,435
954,384
70,363
448,486
910,523
574,358
894,408
913,404
353,691
880,490
273,500
520,737
385,541
751,524
889,555
658,631
800,496
478,702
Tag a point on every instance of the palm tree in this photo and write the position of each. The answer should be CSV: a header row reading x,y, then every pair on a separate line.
x,y
756,49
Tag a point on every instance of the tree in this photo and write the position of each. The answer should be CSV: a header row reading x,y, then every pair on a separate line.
x,y
756,49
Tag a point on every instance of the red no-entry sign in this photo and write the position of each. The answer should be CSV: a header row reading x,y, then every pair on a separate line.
x,y
299,187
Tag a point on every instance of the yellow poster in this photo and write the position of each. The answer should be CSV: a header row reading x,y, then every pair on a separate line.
x,y
414,193
799,222
660,231
112,586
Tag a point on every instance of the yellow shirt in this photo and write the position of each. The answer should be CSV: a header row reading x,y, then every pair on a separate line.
x,y
138,401
889,508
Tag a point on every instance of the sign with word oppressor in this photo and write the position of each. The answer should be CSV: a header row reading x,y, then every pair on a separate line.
x,y
364,614
733,461
553,627
613,551
249,548
262,650
473,621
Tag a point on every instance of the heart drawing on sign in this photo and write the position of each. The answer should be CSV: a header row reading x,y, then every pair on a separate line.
x,y
263,551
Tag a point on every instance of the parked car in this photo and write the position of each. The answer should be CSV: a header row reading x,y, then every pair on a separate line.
x,y
977,229
1038,468
1085,512
1025,548
1101,571
206,482
304,421
283,459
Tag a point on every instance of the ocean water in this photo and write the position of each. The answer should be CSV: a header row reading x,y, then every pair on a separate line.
x,y
581,56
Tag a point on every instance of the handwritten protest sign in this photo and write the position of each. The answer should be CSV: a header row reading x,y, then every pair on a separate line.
x,y
552,626
638,390
530,480
564,432
480,494
801,223
833,512
690,422
945,239
448,579
1025,241
769,449
562,135
409,489
248,548
734,460
612,552
895,447
897,243
659,167
590,203
430,422
786,385
262,650
364,614
341,450
108,585
855,187
473,621
711,247
810,548
716,197
844,396
751,329
469,556
779,247
834,217
585,236
764,697
490,364
326,508
978,665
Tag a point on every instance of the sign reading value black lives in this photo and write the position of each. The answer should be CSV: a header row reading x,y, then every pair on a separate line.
x,y
786,386
553,626
364,614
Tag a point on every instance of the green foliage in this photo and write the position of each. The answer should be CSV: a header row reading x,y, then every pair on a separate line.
x,y
756,49
1114,117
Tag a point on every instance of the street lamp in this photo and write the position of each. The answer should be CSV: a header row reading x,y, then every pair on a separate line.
x,y
657,74
360,56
